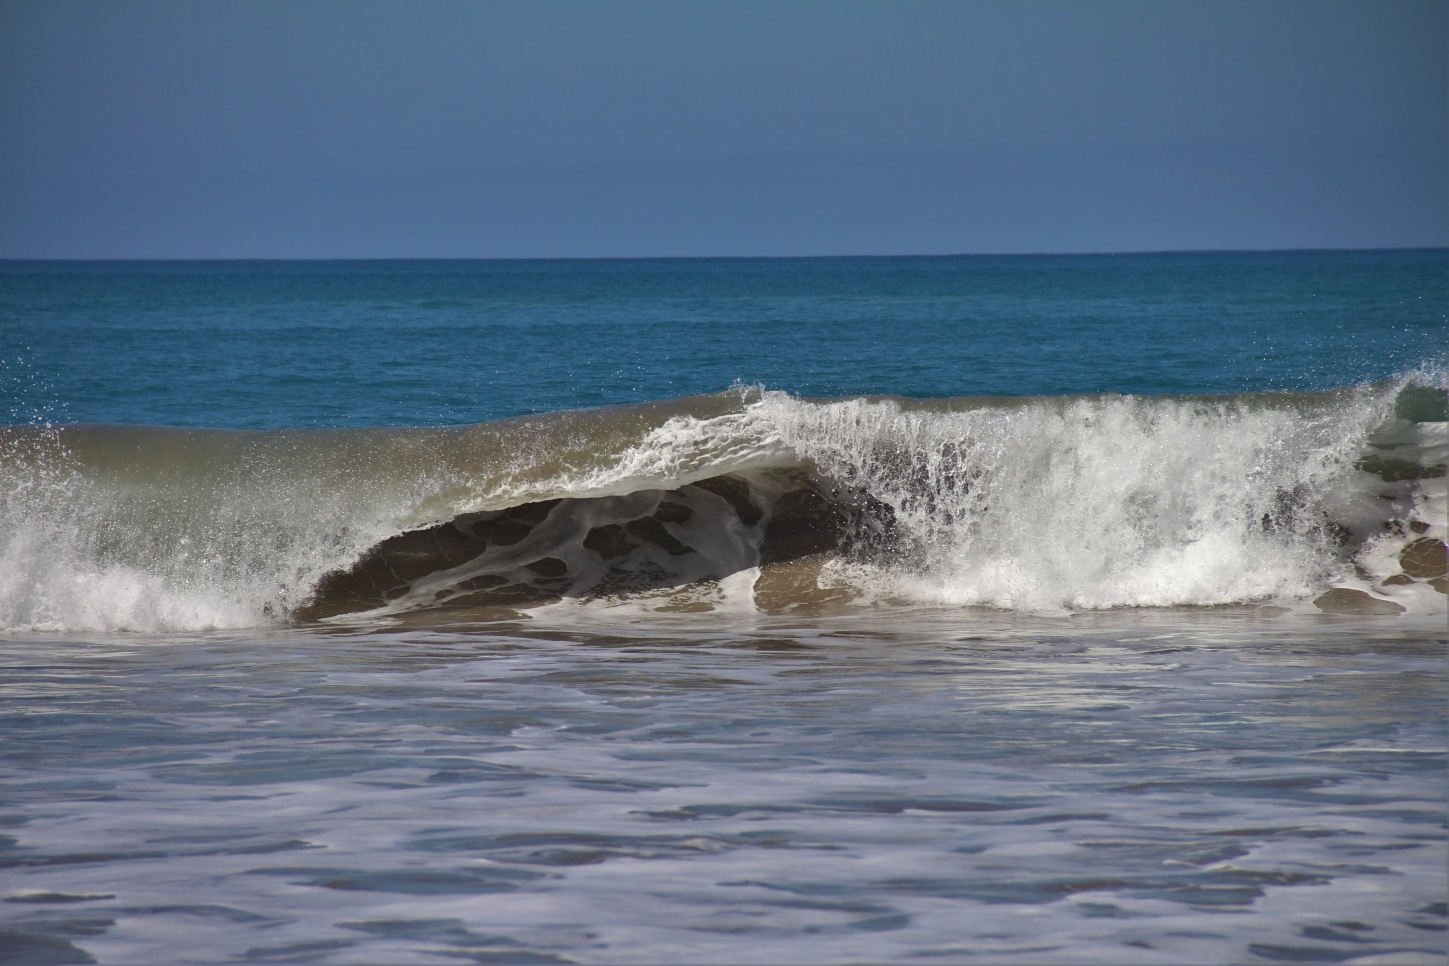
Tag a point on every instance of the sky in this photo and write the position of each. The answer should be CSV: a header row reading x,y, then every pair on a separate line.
x,y
426,129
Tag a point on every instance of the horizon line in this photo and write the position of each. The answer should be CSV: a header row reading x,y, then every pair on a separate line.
x,y
661,258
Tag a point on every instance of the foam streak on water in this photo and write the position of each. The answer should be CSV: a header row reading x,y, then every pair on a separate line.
x,y
1177,788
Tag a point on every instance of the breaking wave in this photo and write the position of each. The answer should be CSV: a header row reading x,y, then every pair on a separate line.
x,y
751,499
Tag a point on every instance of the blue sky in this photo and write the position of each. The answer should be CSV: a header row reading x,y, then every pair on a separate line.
x,y
542,129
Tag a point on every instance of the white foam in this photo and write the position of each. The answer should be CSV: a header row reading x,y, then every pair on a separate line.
x,y
1041,505
1107,502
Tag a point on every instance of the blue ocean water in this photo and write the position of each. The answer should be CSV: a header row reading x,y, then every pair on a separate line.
x,y
264,345
1006,610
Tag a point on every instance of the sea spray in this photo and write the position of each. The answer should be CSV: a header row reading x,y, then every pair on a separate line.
x,y
1033,504
1104,501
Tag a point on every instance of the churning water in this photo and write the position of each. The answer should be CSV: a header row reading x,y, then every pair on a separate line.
x,y
1063,610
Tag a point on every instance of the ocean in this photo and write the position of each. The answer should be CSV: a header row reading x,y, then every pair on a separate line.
x,y
994,609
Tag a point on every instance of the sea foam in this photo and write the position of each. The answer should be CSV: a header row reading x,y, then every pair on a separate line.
x,y
1032,504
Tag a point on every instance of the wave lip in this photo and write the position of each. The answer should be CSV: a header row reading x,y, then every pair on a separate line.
x,y
1034,504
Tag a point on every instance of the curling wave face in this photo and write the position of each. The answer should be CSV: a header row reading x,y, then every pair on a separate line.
x,y
748,499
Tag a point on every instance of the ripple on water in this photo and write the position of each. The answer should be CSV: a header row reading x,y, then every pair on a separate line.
x,y
1022,795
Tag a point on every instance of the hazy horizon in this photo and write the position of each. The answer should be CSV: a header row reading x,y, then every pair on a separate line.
x,y
686,258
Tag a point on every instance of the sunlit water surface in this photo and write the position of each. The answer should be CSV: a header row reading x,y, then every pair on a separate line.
x,y
602,783
591,786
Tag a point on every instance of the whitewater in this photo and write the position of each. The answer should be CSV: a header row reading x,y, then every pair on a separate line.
x,y
1005,610
1039,505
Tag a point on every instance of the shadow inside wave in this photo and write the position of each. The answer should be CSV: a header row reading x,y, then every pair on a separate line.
x,y
540,552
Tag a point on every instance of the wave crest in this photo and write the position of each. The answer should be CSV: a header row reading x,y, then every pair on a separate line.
x,y
1030,504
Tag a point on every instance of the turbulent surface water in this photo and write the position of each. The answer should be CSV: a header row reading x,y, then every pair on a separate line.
x,y
1064,676
1175,787
1044,504
743,678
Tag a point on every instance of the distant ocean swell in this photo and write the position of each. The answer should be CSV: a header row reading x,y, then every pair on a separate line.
x,y
749,499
